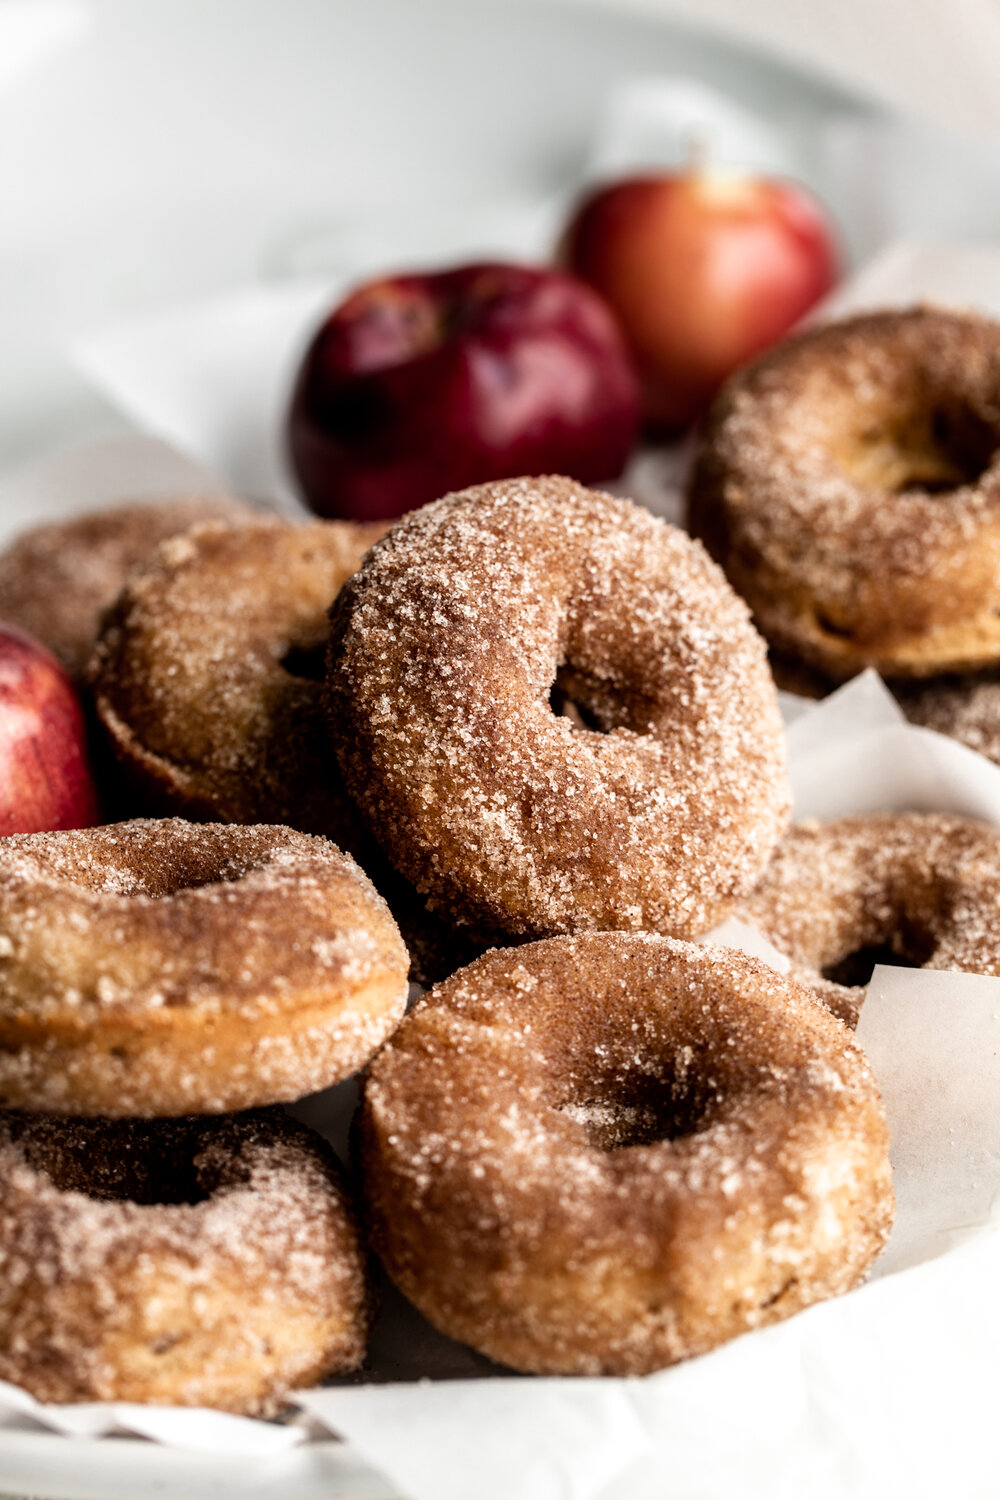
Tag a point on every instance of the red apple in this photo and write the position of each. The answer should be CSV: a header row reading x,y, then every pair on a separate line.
x,y
421,384
44,779
704,270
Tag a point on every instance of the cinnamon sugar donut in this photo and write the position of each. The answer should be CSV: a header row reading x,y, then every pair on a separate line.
x,y
652,807
604,1153
208,682
202,1262
205,674
57,580
165,968
964,708
849,484
918,890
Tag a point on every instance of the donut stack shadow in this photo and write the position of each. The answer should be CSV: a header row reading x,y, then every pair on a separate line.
x,y
545,727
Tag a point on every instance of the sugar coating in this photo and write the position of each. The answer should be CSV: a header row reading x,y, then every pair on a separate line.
x,y
161,966
849,483
204,718
517,820
607,1152
57,580
189,682
925,886
966,708
114,1285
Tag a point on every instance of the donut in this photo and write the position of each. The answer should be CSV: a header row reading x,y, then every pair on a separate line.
x,y
964,708
57,580
555,715
200,1262
207,683
603,1153
849,484
918,890
207,675
159,967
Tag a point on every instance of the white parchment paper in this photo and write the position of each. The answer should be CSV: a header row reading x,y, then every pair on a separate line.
x,y
107,471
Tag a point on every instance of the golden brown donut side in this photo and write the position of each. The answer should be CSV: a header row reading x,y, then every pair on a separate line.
x,y
917,889
605,1153
57,580
192,1262
160,967
206,677
653,808
849,484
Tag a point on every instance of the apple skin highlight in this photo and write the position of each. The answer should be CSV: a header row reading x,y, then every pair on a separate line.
x,y
418,385
704,270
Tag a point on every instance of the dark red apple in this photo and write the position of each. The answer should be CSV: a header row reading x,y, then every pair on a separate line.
x,y
422,384
703,270
44,778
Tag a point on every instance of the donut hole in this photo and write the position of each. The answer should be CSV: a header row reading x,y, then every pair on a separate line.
x,y
566,707
910,948
160,884
833,627
638,1108
133,863
598,704
87,1156
930,451
185,875
307,662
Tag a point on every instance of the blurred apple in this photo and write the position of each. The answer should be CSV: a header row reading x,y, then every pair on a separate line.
x,y
422,384
44,779
703,269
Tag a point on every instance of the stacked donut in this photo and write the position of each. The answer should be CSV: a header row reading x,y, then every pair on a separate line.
x,y
158,974
161,968
542,723
848,482
849,485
